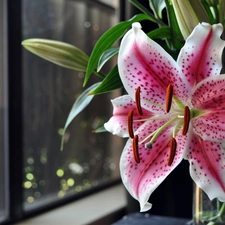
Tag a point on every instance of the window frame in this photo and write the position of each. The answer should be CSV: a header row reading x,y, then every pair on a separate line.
x,y
15,122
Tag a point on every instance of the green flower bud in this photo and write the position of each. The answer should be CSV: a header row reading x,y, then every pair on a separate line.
x,y
189,14
60,53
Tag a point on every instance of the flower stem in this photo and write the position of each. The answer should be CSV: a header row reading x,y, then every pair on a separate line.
x,y
219,214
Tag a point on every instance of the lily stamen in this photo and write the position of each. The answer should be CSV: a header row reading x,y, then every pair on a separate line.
x,y
138,101
169,96
135,149
157,132
130,124
187,116
173,146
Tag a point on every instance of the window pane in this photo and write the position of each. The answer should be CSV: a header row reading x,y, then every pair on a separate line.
x,y
3,117
88,159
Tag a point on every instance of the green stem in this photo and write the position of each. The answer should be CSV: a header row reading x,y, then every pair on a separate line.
x,y
219,214
146,11
222,211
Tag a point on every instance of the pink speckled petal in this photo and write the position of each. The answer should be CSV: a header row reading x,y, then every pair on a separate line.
x,y
209,94
117,124
201,55
207,166
142,62
211,126
141,179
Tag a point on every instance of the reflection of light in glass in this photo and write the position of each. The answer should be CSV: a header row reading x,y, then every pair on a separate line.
x,y
34,185
37,194
70,182
43,156
42,183
59,172
65,187
63,181
29,169
87,24
30,160
78,188
76,168
30,199
81,75
27,184
30,176
94,183
86,168
112,166
61,194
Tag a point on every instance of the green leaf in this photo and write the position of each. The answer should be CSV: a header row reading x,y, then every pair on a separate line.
x,y
176,38
157,7
58,52
108,54
160,33
79,105
107,40
209,11
111,82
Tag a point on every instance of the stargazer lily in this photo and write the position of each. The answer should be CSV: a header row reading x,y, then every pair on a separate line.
x,y
174,110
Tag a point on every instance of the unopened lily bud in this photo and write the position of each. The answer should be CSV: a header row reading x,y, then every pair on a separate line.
x,y
189,14
60,53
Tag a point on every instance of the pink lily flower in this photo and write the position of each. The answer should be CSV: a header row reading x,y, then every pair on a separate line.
x,y
174,110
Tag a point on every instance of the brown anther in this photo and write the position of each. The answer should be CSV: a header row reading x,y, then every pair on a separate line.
x,y
135,149
187,116
169,96
138,101
173,147
130,124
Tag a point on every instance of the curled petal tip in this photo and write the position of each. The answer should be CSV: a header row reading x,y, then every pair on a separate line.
x,y
136,26
147,206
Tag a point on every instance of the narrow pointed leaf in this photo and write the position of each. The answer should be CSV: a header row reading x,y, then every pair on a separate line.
x,y
209,12
111,82
107,40
108,54
79,105
58,52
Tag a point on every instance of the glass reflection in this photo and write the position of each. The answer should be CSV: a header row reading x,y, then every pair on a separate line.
x,y
88,159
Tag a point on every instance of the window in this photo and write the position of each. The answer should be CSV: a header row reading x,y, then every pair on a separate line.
x,y
49,91
41,95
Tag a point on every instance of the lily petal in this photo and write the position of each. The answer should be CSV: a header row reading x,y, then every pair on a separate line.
x,y
207,166
210,94
211,126
118,124
142,62
201,55
141,179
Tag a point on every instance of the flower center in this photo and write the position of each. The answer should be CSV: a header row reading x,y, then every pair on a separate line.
x,y
178,118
